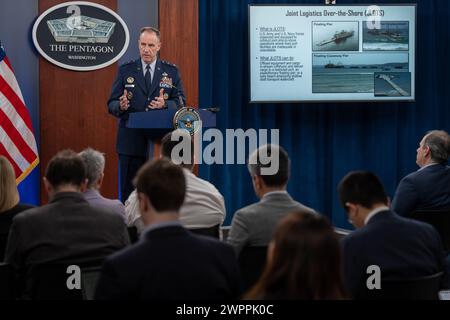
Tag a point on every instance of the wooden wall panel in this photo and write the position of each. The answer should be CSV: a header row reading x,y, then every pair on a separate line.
x,y
178,23
73,111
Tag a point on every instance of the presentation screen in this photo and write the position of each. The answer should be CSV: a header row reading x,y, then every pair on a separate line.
x,y
332,53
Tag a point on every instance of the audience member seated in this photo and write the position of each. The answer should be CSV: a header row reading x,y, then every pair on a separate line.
x,y
203,207
95,166
168,263
303,261
402,248
9,202
429,187
67,229
254,225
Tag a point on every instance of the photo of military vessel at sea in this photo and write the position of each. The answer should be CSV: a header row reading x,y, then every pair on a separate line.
x,y
353,73
390,36
338,37
392,84
335,36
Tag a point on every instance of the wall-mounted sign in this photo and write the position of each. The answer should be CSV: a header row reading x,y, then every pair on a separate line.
x,y
80,35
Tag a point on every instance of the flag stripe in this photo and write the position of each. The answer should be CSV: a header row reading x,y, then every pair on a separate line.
x,y
15,101
7,73
17,142
6,154
12,134
14,152
6,60
20,125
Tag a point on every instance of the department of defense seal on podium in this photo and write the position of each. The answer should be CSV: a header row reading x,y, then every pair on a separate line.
x,y
187,118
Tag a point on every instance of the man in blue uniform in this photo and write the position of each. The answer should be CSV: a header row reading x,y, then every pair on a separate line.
x,y
145,84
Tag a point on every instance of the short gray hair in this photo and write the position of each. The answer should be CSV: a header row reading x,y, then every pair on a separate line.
x,y
95,165
439,143
151,30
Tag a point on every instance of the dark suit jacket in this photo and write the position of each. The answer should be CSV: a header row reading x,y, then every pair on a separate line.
x,y
426,189
67,229
401,247
6,218
171,263
130,77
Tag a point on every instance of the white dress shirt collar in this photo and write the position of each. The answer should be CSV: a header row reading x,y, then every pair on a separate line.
x,y
374,212
152,67
428,165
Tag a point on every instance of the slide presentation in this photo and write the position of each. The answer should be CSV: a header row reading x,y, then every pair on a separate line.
x,y
304,53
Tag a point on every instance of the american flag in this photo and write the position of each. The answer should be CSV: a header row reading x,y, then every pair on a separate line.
x,y
17,142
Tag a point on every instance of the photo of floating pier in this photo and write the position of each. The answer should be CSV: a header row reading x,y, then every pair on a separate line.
x,y
335,36
390,84
355,72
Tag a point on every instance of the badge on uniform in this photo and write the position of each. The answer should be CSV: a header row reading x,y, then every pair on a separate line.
x,y
166,96
130,95
165,82
130,80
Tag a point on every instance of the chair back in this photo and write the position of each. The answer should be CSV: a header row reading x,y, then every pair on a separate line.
x,y
89,279
54,281
7,283
133,234
252,260
440,220
3,242
210,232
420,288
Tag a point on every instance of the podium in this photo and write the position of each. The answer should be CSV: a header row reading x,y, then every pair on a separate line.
x,y
156,123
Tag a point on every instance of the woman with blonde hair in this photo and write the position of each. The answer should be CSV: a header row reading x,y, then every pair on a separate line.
x,y
303,261
9,201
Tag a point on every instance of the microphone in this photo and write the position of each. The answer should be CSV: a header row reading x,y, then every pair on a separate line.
x,y
212,109
180,99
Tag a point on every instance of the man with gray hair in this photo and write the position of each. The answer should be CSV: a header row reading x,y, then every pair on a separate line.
x,y
94,162
255,224
429,187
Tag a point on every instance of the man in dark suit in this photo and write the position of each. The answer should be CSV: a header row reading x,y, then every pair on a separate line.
x,y
254,225
145,84
400,247
169,263
429,187
67,229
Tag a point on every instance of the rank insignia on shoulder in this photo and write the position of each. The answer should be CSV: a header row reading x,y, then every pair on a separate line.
x,y
168,63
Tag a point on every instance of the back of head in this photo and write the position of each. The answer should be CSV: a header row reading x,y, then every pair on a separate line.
x,y
270,162
178,146
66,168
305,262
163,183
9,196
94,162
363,188
439,143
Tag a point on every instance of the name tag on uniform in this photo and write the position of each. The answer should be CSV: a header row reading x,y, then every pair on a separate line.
x,y
129,86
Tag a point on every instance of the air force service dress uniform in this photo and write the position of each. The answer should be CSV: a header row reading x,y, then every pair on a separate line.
x,y
132,144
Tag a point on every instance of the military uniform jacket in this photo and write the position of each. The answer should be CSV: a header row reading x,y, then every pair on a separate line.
x,y
131,77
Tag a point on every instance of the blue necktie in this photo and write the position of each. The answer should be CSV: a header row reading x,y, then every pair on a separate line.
x,y
148,77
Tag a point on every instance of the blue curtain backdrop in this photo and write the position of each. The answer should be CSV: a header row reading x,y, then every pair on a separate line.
x,y
324,141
